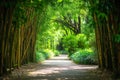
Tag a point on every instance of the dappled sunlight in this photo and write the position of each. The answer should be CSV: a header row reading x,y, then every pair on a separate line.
x,y
58,65
58,62
54,70
46,71
58,68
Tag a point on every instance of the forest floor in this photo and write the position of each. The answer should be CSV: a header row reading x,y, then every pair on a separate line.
x,y
58,68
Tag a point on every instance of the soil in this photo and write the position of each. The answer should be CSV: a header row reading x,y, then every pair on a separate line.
x,y
58,68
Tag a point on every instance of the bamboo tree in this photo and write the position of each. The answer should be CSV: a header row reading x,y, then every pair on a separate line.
x,y
105,31
17,44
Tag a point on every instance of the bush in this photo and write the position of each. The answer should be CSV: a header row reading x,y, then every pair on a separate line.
x,y
73,42
70,44
56,52
49,53
85,56
44,54
40,57
82,41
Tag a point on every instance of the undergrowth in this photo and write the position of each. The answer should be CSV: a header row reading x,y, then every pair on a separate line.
x,y
42,55
84,56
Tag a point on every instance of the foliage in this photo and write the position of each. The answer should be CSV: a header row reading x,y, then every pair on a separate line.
x,y
40,56
22,20
117,38
49,53
70,44
70,23
107,32
50,33
92,42
64,52
84,56
82,41
56,52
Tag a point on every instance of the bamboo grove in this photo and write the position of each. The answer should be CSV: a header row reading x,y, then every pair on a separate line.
x,y
107,30
19,23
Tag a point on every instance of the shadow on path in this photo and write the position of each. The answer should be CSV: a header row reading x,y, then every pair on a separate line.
x,y
57,68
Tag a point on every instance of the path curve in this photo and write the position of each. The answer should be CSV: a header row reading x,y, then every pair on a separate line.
x,y
57,68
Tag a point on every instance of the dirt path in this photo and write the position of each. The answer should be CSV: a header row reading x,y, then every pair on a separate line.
x,y
57,68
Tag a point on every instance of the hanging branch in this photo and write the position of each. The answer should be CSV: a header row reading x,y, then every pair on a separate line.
x,y
73,25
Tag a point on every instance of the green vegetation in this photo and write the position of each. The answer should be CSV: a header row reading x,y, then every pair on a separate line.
x,y
77,48
40,56
86,30
45,54
66,28
84,56
70,44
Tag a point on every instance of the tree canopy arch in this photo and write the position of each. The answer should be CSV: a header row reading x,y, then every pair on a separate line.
x,y
20,21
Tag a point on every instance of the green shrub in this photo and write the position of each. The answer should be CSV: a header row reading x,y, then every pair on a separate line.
x,y
44,54
56,52
85,56
82,41
73,42
70,44
49,53
63,52
40,57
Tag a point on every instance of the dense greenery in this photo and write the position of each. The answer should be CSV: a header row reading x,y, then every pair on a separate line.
x,y
84,56
76,46
19,21
31,30
45,54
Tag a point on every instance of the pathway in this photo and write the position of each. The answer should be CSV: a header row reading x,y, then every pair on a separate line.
x,y
57,68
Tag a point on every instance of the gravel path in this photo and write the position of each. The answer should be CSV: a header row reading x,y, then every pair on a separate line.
x,y
57,68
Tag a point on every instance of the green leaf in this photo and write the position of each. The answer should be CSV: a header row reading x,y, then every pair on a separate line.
x,y
59,0
117,38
